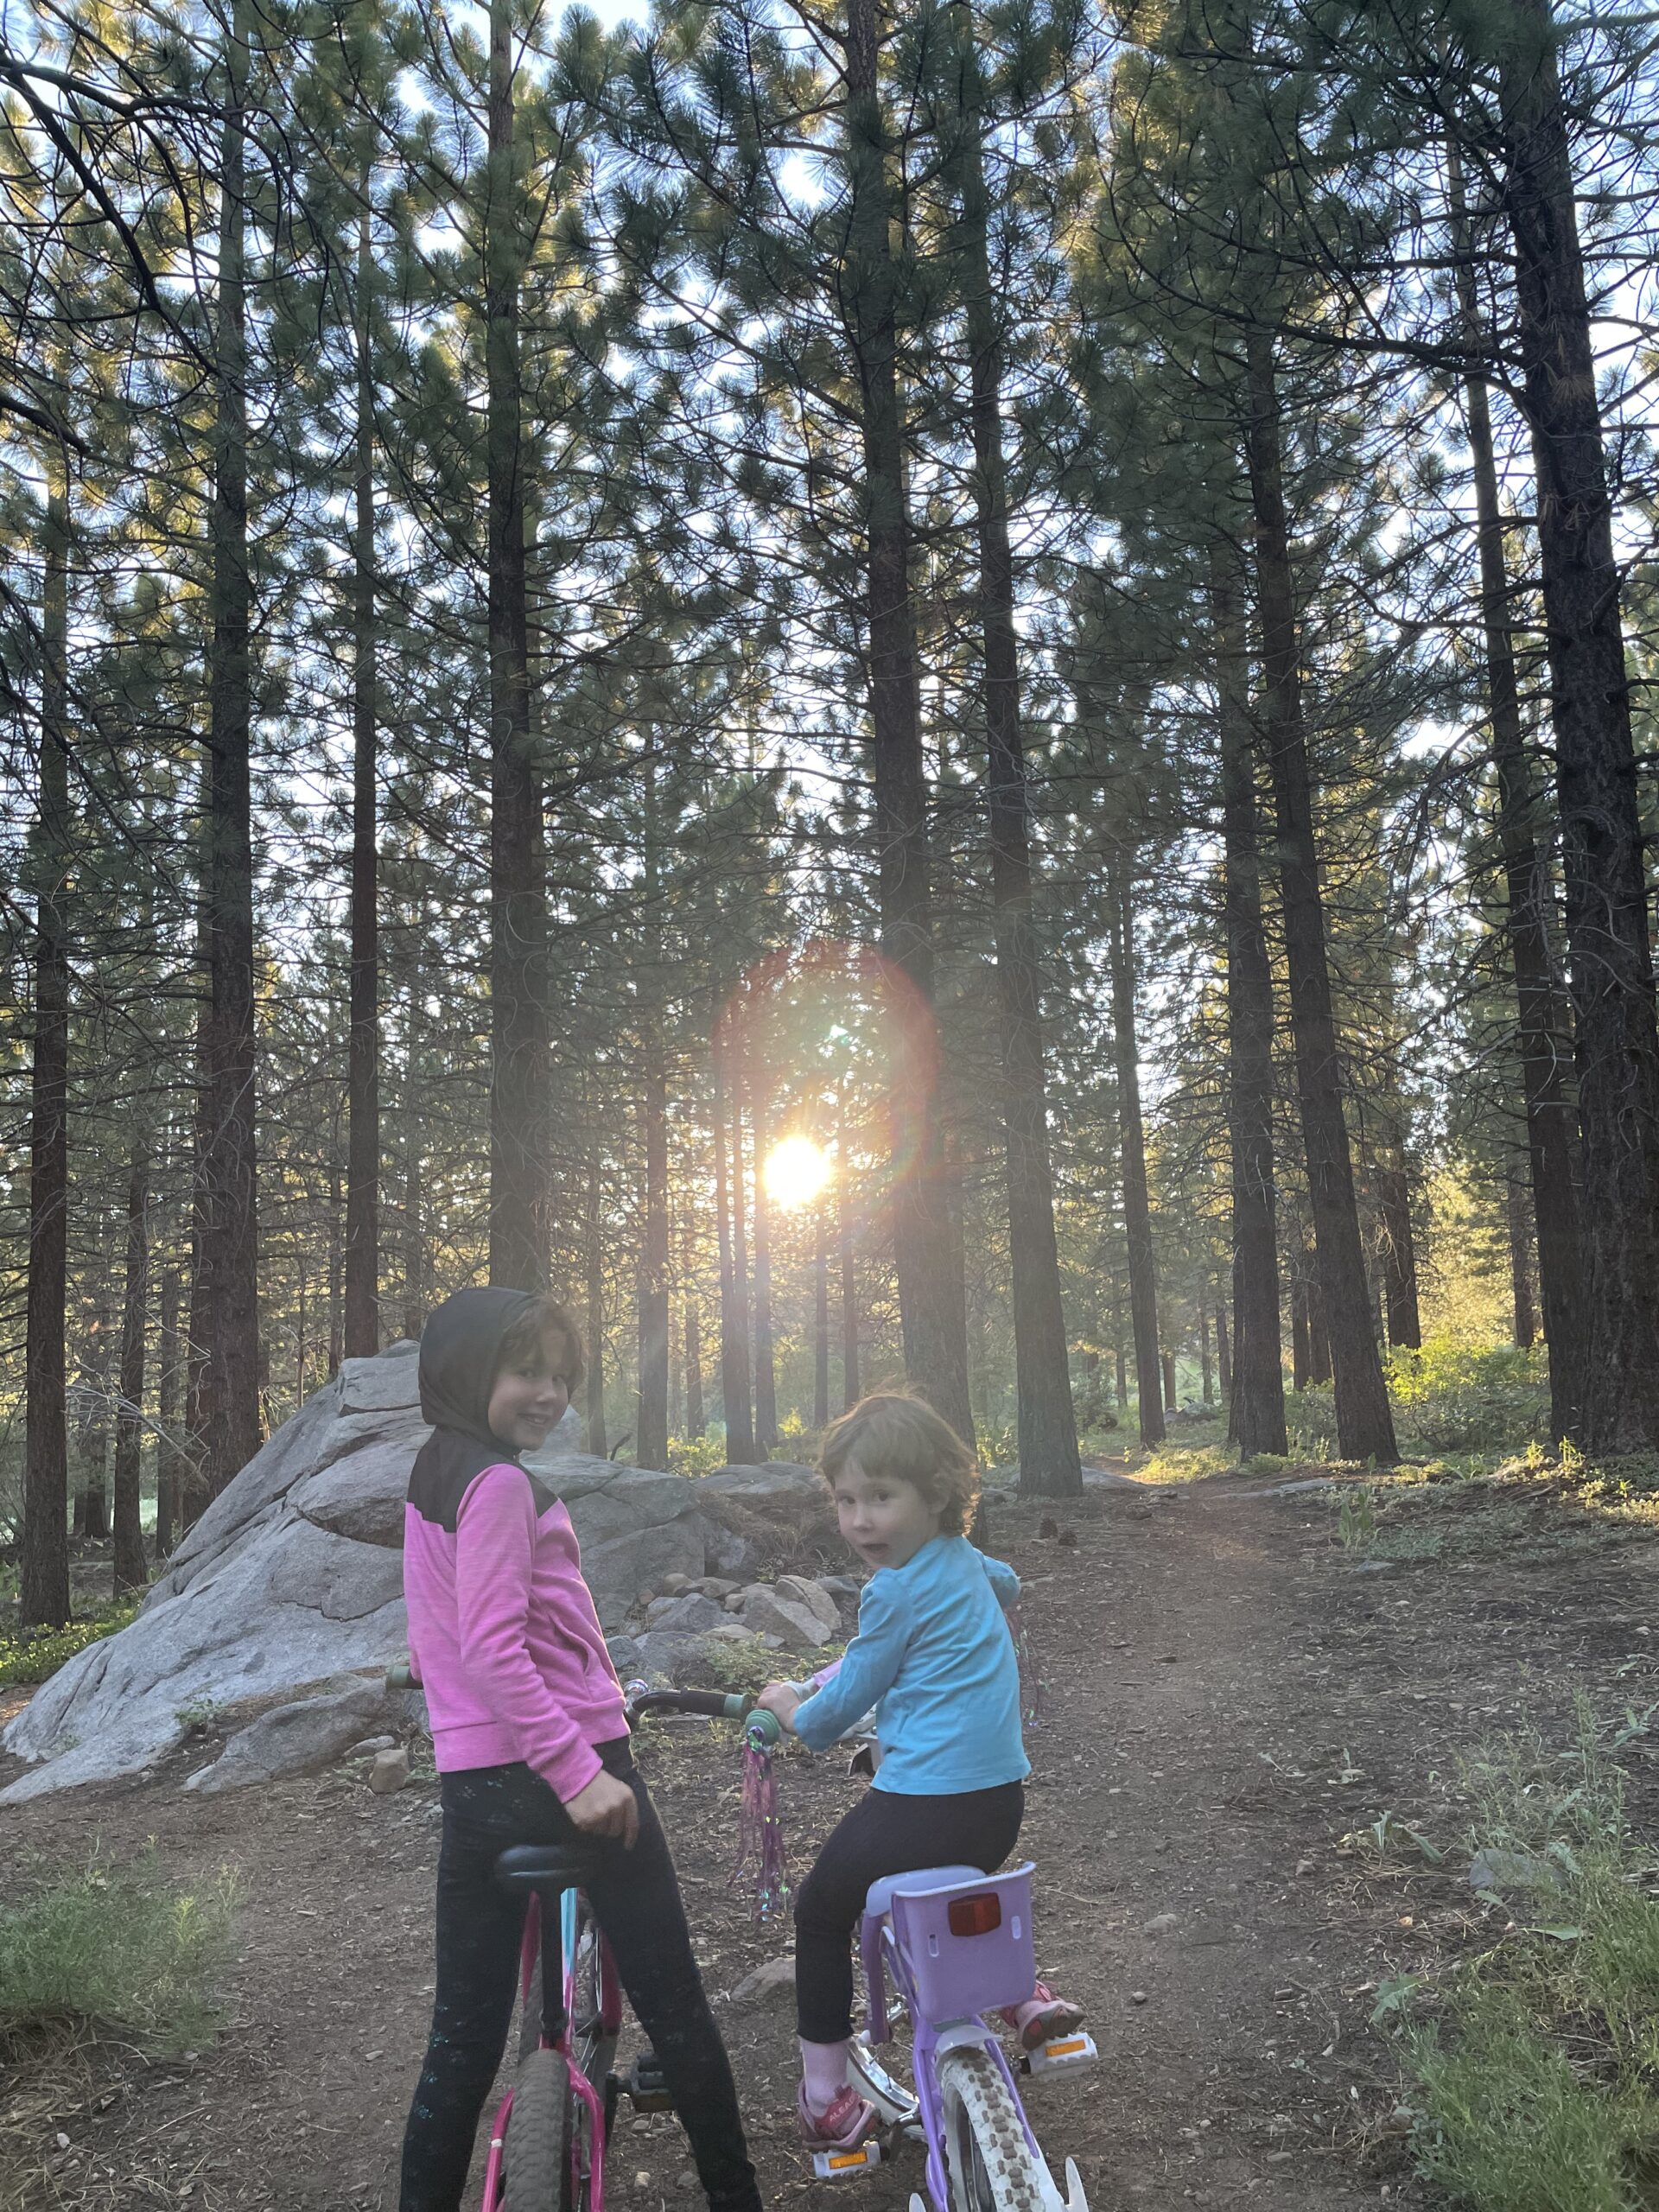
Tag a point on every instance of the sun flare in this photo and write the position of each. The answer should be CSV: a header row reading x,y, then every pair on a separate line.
x,y
796,1171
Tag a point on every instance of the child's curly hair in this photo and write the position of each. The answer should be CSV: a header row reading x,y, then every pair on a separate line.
x,y
545,1323
892,1433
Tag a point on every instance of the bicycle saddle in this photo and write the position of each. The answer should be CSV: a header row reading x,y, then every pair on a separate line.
x,y
529,1868
882,1893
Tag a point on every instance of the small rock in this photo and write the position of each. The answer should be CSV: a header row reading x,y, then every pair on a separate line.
x,y
683,1616
1304,1865
389,1772
845,1589
1137,1997
799,1591
373,1744
642,2180
671,1584
769,1984
1159,1924
716,1585
781,1612
686,2177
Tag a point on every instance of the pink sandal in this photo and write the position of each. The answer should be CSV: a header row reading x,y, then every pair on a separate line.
x,y
1042,2018
847,2124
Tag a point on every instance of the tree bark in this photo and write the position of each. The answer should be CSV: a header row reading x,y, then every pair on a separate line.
x,y
413,1238
598,1439
695,1419
1049,1462
1171,1401
1551,1131
850,1382
519,1185
1602,844
650,1428
1256,1388
229,1255
363,1076
171,1464
1301,1365
1399,1249
766,1380
130,1569
736,1408
44,1580
821,1317
1364,1418
1132,1149
932,1306
1525,1318
1225,1360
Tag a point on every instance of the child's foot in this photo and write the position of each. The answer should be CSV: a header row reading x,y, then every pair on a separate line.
x,y
1042,2018
843,2127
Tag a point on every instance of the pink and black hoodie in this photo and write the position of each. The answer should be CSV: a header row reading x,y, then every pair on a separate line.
x,y
501,1625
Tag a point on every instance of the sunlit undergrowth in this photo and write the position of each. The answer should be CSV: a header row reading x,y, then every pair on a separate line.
x,y
35,1655
1532,2068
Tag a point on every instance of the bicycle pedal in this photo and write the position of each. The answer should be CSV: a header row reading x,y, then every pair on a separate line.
x,y
645,2086
843,2165
1064,2054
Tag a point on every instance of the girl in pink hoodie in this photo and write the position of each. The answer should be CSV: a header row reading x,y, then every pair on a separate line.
x,y
532,1746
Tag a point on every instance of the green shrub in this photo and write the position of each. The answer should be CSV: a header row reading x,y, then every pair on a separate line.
x,y
121,1950
1451,1397
695,1455
1310,1417
33,1655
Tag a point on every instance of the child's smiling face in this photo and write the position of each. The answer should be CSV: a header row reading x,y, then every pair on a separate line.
x,y
885,1519
528,1397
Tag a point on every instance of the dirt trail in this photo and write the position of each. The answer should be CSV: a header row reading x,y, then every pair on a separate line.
x,y
1228,1696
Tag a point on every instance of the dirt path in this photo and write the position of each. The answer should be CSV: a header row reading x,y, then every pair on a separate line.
x,y
1228,1698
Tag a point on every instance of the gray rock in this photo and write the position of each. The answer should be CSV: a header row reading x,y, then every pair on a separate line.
x,y
716,1585
771,1983
845,1589
688,1613
293,1576
389,1772
625,1656
816,1601
684,1661
297,1738
767,1612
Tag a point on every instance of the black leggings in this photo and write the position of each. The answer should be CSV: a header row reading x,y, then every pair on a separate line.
x,y
885,1833
636,1900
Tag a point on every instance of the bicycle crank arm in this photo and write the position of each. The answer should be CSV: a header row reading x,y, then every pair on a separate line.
x,y
871,2079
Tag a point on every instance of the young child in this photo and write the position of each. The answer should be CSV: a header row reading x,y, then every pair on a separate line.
x,y
934,1657
532,1744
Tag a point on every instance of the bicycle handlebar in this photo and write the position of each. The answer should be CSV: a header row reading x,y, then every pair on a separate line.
x,y
711,1705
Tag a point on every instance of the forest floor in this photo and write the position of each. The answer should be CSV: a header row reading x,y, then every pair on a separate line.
x,y
1235,1697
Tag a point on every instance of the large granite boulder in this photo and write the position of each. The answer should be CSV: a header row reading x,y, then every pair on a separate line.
x,y
293,1579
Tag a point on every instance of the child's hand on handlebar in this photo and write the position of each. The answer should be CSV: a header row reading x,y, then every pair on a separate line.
x,y
606,1807
782,1699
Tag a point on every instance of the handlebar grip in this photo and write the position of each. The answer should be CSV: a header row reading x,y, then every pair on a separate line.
x,y
765,1727
400,1675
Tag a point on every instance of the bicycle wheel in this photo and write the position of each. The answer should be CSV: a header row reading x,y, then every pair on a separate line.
x,y
592,2047
537,2152
989,2162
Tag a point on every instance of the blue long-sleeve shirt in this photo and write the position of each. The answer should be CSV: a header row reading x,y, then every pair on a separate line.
x,y
934,1656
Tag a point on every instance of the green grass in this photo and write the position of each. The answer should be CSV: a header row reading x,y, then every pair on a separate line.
x,y
34,1655
117,1951
1531,2067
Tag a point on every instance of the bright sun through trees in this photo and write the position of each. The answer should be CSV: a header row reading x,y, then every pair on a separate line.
x,y
796,1171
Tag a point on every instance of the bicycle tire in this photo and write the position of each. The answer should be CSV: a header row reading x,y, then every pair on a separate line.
x,y
989,2164
592,2050
537,2152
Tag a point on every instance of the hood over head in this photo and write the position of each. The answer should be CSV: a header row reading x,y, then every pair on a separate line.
x,y
460,1346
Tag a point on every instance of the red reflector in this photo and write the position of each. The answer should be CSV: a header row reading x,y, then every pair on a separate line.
x,y
976,1915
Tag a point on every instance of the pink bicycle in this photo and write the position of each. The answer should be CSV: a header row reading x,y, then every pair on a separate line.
x,y
547,2146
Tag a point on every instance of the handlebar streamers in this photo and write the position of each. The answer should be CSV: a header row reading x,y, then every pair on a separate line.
x,y
761,1854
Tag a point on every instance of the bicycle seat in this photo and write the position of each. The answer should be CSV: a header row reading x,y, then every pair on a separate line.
x,y
529,1868
882,1893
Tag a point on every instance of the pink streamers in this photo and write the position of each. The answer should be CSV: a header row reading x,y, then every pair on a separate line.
x,y
761,1831
1031,1681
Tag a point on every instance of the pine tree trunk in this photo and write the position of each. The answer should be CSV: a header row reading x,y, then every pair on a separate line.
x,y
1551,1123
932,1306
850,1381
1602,836
413,1238
696,1418
363,1077
1207,1383
735,1406
1170,1399
651,1434
229,1173
1049,1462
170,1463
1526,1321
132,1572
821,1318
766,1380
1255,1389
1225,1360
598,1438
1132,1149
1301,1365
336,1259
1364,1419
520,1188
1399,1250
44,1583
